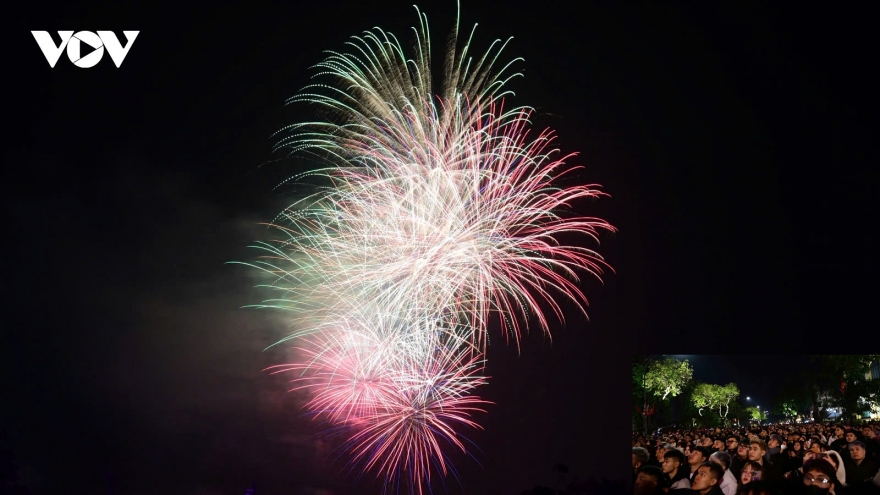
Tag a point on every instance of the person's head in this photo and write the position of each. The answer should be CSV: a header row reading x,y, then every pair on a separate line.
x,y
869,432
660,450
708,475
718,445
742,451
698,456
732,443
817,447
751,471
797,446
647,479
857,451
774,442
671,461
819,474
838,432
757,449
640,457
850,437
721,457
708,441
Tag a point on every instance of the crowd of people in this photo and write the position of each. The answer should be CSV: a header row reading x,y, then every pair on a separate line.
x,y
784,459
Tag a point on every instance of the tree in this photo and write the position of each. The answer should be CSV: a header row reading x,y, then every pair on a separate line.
x,y
701,397
819,384
756,414
707,395
786,409
726,394
792,399
668,377
657,378
738,411
855,394
688,412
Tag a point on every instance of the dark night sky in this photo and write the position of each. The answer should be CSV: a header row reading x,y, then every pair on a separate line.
x,y
759,377
736,143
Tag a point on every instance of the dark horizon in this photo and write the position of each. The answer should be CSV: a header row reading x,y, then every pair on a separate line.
x,y
735,143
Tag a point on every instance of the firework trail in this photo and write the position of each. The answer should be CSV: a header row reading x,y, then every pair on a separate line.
x,y
439,213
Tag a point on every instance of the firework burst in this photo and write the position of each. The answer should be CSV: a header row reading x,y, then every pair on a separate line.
x,y
440,213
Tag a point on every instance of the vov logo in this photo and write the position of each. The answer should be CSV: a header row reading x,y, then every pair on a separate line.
x,y
74,42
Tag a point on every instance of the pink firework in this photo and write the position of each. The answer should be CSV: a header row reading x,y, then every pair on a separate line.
x,y
440,213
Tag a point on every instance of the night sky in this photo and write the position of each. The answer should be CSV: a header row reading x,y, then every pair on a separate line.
x,y
759,377
738,145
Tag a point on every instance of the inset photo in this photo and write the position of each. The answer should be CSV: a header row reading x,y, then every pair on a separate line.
x,y
728,425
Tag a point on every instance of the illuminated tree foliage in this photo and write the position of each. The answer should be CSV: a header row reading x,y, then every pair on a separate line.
x,y
712,396
661,378
756,414
668,377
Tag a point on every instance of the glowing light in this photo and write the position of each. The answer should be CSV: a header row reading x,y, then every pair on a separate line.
x,y
434,216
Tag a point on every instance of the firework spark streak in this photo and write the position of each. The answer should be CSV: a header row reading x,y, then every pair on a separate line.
x,y
439,213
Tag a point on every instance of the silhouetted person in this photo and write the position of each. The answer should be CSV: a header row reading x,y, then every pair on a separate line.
x,y
648,481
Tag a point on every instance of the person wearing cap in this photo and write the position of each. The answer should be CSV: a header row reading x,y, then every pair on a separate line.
x,y
859,469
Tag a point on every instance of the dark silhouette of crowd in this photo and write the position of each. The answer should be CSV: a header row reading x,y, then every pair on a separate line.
x,y
778,459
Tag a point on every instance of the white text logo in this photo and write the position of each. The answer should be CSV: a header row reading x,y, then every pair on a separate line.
x,y
74,42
